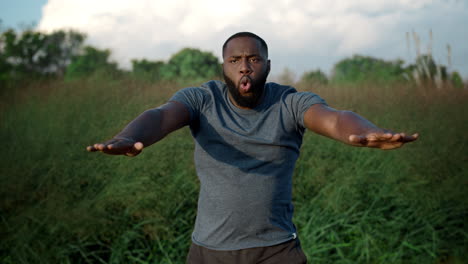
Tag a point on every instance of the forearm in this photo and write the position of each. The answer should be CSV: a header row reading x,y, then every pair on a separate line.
x,y
145,128
352,129
349,123
154,124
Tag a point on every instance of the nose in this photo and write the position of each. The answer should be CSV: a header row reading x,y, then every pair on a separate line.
x,y
245,67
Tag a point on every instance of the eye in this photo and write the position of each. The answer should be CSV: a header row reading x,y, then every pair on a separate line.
x,y
254,60
233,61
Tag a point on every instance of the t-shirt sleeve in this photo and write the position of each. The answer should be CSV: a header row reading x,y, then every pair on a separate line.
x,y
194,98
299,102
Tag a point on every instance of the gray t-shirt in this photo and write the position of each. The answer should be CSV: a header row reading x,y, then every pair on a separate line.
x,y
245,161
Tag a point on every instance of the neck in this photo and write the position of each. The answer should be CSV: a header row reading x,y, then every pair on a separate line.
x,y
234,102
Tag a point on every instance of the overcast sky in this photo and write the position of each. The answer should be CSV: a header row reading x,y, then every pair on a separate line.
x,y
302,35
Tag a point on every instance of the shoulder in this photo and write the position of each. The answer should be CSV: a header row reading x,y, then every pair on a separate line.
x,y
276,93
294,102
203,91
290,95
214,88
279,89
196,99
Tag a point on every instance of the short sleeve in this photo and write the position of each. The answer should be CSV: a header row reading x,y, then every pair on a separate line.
x,y
194,98
299,102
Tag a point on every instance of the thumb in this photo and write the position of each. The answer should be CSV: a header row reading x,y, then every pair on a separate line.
x,y
136,149
357,139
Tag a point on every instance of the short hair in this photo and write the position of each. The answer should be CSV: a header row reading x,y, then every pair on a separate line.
x,y
250,35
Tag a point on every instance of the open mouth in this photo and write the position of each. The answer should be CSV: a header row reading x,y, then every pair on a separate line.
x,y
245,84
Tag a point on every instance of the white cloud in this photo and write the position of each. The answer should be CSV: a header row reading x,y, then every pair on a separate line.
x,y
302,34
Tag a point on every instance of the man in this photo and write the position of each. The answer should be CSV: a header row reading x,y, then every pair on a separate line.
x,y
247,138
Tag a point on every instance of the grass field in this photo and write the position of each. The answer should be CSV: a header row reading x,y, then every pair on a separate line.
x,y
60,204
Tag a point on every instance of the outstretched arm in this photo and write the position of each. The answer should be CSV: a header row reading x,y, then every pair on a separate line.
x,y
148,128
350,128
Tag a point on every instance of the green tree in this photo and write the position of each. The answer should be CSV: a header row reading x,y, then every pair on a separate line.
x,y
32,53
60,47
457,80
5,67
147,70
92,60
191,64
314,78
363,69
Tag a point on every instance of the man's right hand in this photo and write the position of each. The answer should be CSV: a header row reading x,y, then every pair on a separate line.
x,y
149,127
118,146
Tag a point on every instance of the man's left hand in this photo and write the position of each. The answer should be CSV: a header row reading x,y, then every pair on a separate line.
x,y
387,140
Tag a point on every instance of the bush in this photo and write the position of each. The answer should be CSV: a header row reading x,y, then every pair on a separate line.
x,y
91,61
147,70
359,69
191,64
314,78
35,54
456,79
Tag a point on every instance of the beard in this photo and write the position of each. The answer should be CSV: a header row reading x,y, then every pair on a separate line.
x,y
252,100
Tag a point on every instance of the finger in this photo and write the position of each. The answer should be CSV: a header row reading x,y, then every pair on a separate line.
x,y
123,145
357,139
392,145
354,138
95,147
135,150
98,146
402,137
138,146
105,145
373,137
91,149
410,138
385,136
398,140
395,137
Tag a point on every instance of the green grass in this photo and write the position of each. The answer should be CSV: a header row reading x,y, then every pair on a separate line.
x,y
60,204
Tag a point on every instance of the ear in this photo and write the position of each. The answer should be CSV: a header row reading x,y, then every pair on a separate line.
x,y
268,66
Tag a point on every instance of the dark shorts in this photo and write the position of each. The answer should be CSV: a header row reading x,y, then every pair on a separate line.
x,y
289,252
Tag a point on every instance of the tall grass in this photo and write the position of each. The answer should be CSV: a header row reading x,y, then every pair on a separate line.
x,y
60,204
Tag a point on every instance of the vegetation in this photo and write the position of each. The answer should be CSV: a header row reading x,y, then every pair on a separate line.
x,y
191,64
90,61
32,55
147,70
315,78
362,68
61,204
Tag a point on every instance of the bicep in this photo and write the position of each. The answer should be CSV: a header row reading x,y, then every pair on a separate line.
x,y
322,120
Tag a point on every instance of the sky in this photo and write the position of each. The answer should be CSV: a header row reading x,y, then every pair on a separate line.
x,y
302,35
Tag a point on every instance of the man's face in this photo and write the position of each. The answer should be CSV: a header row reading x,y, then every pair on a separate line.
x,y
245,70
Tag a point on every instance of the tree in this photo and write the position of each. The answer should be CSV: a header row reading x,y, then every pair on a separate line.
x,y
191,64
33,53
457,80
314,78
147,70
363,68
91,61
60,47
